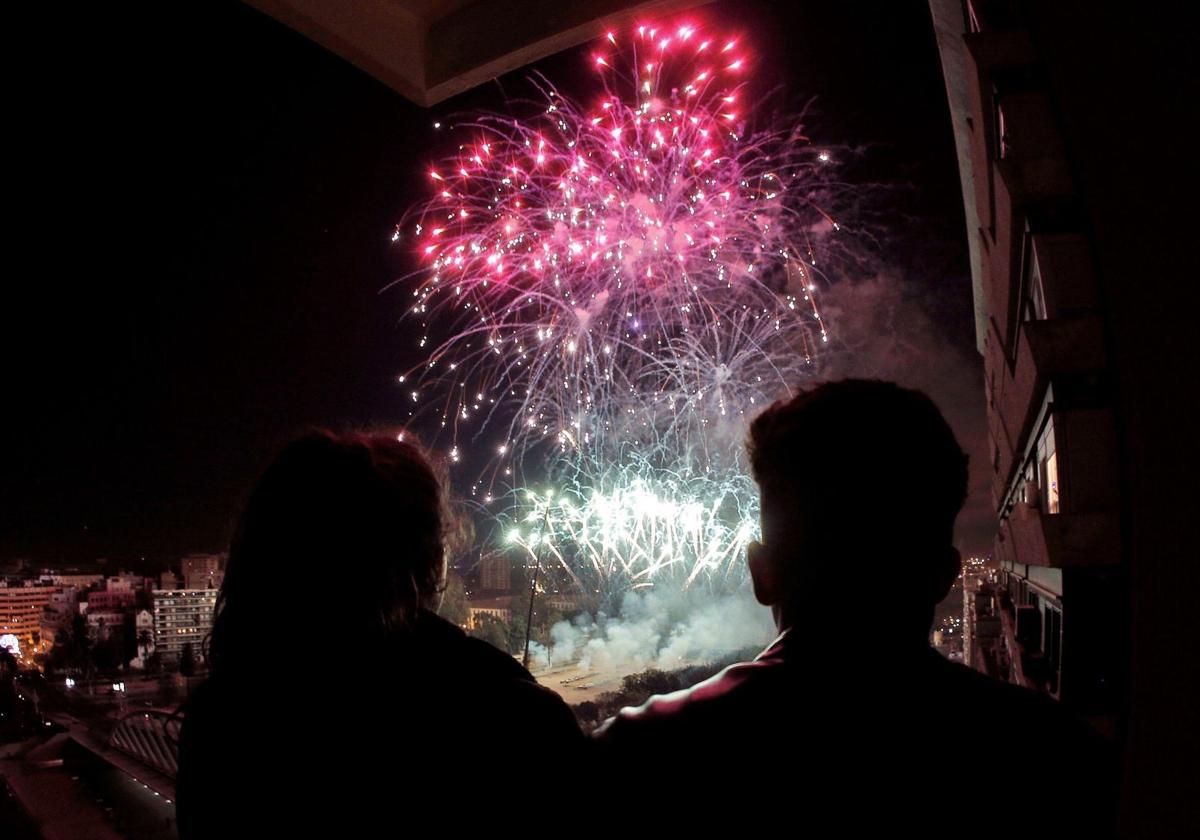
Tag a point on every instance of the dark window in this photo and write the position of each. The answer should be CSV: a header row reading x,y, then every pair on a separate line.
x,y
1003,143
1052,645
1033,303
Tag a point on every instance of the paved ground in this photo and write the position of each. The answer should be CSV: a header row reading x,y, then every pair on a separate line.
x,y
71,786
576,685
54,798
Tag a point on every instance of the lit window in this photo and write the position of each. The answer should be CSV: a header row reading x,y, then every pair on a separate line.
x,y
1052,501
1003,144
1047,466
1033,303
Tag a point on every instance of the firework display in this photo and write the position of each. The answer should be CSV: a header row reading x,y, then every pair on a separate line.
x,y
607,288
628,526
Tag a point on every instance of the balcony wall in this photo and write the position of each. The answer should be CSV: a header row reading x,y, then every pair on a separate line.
x,y
1068,281
1060,540
1045,350
989,54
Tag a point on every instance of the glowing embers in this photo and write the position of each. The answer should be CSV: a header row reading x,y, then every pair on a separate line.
x,y
634,525
622,274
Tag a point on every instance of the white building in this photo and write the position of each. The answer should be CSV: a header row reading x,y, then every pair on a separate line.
x,y
181,616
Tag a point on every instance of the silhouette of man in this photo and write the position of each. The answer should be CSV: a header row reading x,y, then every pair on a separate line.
x,y
849,719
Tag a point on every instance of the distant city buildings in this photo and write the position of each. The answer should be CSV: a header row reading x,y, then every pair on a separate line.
x,y
126,583
496,596
561,601
105,625
21,607
126,613
77,580
982,626
203,571
491,595
495,573
63,603
499,607
108,600
182,617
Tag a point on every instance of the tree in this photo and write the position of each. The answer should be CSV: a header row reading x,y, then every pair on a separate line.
x,y
8,692
525,585
78,648
80,643
491,630
106,656
652,681
154,663
543,622
515,636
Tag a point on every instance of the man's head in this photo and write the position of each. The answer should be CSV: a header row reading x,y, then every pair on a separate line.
x,y
861,481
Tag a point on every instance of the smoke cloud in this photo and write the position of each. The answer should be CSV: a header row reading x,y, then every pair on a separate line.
x,y
660,628
881,326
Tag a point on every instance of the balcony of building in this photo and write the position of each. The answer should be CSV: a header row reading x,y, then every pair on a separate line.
x,y
1030,187
1057,630
79,759
1046,351
991,16
1030,537
989,55
983,629
1016,148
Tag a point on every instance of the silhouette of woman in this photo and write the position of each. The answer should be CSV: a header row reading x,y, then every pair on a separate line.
x,y
336,696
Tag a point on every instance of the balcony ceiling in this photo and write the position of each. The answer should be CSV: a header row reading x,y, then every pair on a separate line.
x,y
430,50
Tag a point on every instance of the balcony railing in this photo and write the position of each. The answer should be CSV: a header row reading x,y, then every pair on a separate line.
x,y
151,737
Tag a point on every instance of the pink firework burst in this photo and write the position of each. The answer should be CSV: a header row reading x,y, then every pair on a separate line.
x,y
598,260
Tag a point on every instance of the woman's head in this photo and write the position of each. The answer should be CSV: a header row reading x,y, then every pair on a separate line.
x,y
341,541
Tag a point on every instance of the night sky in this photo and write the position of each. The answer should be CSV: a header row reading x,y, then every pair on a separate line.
x,y
209,240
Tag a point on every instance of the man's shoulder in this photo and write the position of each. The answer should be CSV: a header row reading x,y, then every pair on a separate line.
x,y
985,693
722,698
1039,717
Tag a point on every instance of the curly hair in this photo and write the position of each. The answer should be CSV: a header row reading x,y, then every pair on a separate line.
x,y
366,514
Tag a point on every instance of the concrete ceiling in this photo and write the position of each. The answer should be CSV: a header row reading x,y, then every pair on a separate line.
x,y
430,50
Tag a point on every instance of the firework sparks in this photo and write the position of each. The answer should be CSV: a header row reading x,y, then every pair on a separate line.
x,y
621,278
630,526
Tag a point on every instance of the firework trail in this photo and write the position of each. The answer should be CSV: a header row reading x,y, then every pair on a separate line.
x,y
607,288
629,525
